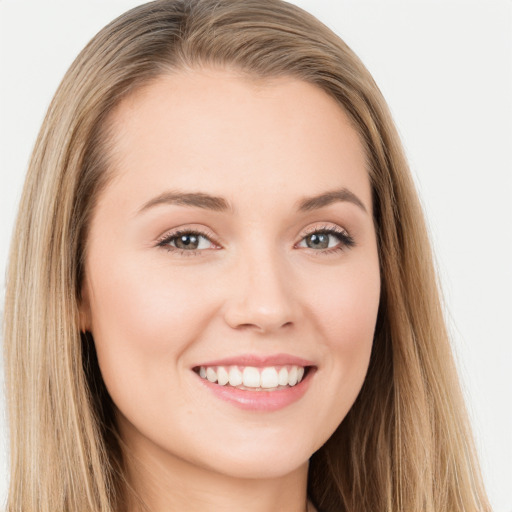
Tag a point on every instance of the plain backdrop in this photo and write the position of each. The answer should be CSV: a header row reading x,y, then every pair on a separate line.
x,y
445,68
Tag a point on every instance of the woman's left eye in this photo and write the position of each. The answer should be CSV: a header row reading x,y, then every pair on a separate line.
x,y
326,239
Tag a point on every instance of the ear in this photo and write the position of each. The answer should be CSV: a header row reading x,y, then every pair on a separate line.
x,y
84,309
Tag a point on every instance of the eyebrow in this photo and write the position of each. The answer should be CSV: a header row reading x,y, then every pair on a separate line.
x,y
325,199
194,199
220,204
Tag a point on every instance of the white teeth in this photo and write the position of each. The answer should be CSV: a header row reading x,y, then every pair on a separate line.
x,y
292,376
222,376
235,376
211,374
251,377
269,378
282,378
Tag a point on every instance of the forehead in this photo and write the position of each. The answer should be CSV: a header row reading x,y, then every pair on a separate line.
x,y
227,134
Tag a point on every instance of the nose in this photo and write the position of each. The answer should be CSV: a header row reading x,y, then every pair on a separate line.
x,y
263,296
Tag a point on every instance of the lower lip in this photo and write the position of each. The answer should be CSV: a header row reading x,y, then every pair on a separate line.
x,y
260,400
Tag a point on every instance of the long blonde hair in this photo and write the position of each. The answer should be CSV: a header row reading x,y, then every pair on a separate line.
x,y
404,446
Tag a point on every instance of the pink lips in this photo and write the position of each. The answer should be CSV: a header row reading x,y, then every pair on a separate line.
x,y
260,361
260,400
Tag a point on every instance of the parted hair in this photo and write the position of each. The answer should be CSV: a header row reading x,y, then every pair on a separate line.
x,y
405,445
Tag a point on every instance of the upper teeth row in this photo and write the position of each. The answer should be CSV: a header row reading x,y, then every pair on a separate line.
x,y
252,377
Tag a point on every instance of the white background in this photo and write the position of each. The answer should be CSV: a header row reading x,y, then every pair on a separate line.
x,y
445,68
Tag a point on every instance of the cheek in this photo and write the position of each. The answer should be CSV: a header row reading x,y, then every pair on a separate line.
x,y
348,313
349,306
143,319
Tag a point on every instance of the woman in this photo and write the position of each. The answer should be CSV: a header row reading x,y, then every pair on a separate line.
x,y
231,300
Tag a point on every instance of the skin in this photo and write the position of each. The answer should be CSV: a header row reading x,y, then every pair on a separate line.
x,y
252,287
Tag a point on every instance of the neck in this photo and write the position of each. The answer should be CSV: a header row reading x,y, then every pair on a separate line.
x,y
168,483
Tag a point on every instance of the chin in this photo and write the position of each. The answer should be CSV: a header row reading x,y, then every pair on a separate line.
x,y
261,457
261,468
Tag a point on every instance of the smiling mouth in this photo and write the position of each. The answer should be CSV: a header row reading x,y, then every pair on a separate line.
x,y
251,378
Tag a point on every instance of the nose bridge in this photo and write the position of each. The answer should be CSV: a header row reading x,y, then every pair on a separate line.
x,y
262,295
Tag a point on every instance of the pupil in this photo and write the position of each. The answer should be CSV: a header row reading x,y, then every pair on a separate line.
x,y
186,241
321,241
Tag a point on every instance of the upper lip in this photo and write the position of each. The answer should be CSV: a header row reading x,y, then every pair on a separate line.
x,y
258,360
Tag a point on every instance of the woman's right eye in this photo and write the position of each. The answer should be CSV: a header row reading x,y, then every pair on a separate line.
x,y
186,241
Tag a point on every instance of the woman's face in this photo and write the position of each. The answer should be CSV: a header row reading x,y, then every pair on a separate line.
x,y
233,251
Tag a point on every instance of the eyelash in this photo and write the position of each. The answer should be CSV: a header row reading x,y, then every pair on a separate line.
x,y
346,241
